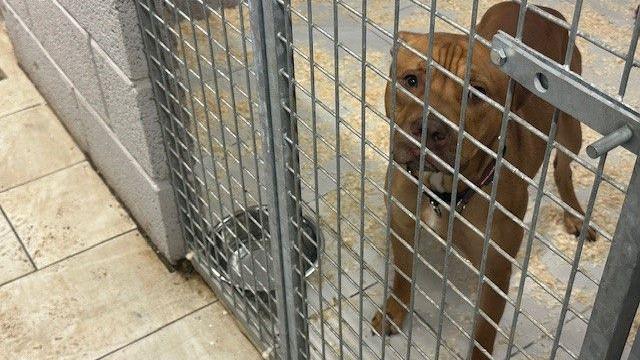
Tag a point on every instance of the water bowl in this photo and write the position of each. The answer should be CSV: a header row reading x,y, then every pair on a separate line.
x,y
242,258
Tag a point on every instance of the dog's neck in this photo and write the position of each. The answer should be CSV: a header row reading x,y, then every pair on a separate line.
x,y
481,174
476,170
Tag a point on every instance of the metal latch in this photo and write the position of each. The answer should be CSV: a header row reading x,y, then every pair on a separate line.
x,y
617,122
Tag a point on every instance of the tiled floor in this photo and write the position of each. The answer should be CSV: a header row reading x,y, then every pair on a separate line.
x,y
77,280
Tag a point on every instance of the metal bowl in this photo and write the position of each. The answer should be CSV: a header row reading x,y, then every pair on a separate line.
x,y
242,258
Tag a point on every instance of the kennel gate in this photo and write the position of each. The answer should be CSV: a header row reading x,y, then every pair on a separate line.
x,y
273,164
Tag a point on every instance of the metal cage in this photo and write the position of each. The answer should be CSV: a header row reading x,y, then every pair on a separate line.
x,y
283,156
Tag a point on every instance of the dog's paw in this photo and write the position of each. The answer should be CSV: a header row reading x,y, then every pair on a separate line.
x,y
574,225
382,325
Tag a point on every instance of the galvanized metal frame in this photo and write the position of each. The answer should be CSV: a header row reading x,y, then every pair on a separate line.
x,y
175,100
619,292
199,153
288,332
270,21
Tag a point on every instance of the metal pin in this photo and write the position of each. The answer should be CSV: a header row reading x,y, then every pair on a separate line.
x,y
608,142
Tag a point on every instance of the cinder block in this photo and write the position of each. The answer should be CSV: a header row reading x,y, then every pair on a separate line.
x,y
69,46
132,114
52,83
20,8
114,26
151,203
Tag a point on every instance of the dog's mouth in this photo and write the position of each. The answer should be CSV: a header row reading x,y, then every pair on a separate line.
x,y
413,166
436,142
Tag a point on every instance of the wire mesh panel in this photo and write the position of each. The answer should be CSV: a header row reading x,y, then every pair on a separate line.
x,y
450,275
200,56
417,173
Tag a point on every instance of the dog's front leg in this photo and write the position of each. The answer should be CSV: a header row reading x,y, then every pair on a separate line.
x,y
397,303
404,193
491,303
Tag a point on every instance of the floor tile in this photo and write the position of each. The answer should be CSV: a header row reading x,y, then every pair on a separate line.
x,y
16,91
64,213
13,260
33,143
95,302
197,336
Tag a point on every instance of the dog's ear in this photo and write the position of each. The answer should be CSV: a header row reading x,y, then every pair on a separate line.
x,y
547,38
520,96
410,36
539,33
413,39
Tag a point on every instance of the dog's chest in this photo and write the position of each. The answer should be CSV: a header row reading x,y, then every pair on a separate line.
x,y
434,215
434,220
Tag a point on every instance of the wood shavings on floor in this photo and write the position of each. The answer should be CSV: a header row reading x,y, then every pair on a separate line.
x,y
322,145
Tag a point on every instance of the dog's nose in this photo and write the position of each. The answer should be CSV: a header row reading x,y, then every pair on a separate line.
x,y
437,133
438,137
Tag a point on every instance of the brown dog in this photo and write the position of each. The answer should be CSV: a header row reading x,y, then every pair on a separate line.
x,y
525,150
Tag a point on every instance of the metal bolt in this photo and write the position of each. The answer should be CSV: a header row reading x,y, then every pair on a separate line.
x,y
498,56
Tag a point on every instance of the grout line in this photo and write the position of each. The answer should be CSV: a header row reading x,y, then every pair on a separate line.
x,y
44,175
70,256
24,248
28,107
18,278
158,329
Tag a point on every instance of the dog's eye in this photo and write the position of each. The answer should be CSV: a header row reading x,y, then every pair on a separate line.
x,y
411,80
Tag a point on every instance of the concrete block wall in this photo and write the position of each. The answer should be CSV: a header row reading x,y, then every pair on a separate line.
x,y
86,57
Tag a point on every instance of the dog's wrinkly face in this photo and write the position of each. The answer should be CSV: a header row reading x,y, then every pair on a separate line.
x,y
482,121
